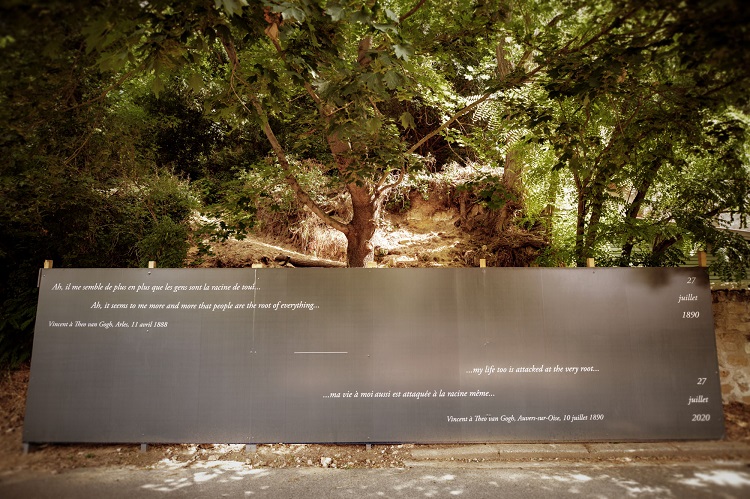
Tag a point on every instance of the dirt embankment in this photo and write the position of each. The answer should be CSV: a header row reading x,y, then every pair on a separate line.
x,y
432,232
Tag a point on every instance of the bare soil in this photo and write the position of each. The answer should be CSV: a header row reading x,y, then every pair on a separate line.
x,y
431,233
401,242
57,458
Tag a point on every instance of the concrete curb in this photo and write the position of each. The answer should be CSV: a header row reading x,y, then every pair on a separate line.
x,y
517,452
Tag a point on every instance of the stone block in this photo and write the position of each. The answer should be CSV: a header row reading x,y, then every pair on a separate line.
x,y
528,451
635,449
479,451
738,360
729,346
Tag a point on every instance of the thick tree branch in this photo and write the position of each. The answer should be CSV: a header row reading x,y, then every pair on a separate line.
x,y
526,78
290,178
299,260
300,193
413,11
660,247
380,188
448,123
614,24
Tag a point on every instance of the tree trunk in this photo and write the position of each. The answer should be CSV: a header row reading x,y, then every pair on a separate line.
x,y
299,260
366,200
359,249
365,207
592,231
632,213
513,184
580,228
660,248
591,197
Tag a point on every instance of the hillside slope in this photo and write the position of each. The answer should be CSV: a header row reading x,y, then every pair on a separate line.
x,y
432,232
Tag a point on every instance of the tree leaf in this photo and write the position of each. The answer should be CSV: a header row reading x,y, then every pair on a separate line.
x,y
157,86
392,80
231,7
292,12
373,124
336,12
372,80
195,82
402,52
385,28
407,120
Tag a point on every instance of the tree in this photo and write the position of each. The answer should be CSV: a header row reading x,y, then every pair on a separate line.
x,y
355,63
78,183
632,113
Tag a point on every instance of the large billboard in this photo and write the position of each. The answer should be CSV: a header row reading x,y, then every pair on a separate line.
x,y
373,355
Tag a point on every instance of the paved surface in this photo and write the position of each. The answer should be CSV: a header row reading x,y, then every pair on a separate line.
x,y
691,450
227,479
670,470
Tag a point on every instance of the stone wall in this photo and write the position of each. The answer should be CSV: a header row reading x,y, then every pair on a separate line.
x,y
732,326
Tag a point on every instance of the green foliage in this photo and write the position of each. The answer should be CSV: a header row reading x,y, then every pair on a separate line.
x,y
78,184
181,136
165,242
625,122
489,190
421,182
257,198
75,224
16,326
636,109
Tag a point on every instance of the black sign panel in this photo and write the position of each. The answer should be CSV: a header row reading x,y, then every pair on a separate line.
x,y
373,355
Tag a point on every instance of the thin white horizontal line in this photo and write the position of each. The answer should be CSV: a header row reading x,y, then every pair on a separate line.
x,y
321,352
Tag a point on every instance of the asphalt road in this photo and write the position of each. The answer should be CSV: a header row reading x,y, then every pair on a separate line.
x,y
517,480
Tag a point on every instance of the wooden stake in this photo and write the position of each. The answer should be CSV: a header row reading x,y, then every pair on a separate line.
x,y
257,266
702,259
152,264
48,264
482,263
590,262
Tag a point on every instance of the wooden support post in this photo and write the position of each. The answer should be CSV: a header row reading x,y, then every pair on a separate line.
x,y
482,263
590,262
368,446
257,266
48,264
152,264
702,259
144,448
